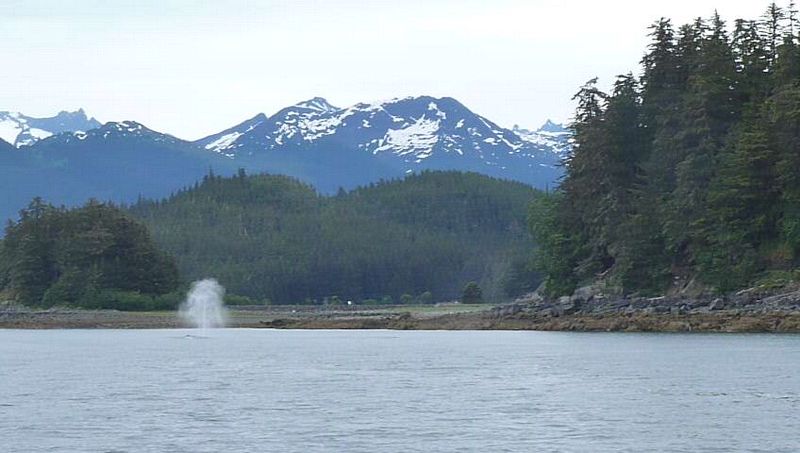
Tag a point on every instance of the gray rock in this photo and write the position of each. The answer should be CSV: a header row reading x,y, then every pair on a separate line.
x,y
678,309
504,311
717,304
584,293
569,306
697,303
548,313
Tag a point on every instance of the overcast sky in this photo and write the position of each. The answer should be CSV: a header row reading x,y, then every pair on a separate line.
x,y
192,68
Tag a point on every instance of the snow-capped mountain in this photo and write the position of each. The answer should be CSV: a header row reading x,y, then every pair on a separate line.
x,y
69,158
123,130
404,135
21,130
556,137
125,146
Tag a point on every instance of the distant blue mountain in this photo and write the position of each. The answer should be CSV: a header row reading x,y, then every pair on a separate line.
x,y
21,130
115,162
69,158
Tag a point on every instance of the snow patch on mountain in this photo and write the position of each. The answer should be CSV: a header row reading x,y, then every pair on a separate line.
x,y
9,129
227,141
435,108
310,127
310,121
418,138
223,143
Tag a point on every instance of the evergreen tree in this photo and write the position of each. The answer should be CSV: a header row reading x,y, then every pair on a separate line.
x,y
782,115
709,110
752,62
59,256
586,181
690,174
472,294
742,209
772,28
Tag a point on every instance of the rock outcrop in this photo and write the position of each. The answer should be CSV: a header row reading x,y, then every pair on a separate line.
x,y
591,301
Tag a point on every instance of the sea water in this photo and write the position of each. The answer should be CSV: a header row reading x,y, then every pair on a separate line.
x,y
385,391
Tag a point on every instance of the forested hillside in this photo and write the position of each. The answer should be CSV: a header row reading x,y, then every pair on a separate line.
x,y
95,256
424,237
689,175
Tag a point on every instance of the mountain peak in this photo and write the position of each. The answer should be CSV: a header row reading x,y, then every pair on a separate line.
x,y
318,104
129,126
79,112
552,136
22,130
116,131
422,99
550,126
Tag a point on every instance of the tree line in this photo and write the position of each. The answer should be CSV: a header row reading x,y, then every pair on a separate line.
x,y
687,175
95,256
272,239
420,239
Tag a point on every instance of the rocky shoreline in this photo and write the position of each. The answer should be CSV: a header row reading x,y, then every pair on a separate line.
x,y
753,301
752,310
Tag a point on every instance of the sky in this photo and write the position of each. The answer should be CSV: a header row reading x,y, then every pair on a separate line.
x,y
192,68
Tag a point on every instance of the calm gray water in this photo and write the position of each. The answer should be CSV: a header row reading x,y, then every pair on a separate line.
x,y
383,391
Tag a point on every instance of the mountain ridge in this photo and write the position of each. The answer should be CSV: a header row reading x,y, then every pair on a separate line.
x,y
20,130
321,144
400,135
308,119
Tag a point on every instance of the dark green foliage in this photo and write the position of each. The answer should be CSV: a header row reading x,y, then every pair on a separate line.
x,y
272,237
233,299
472,294
129,300
95,256
425,298
689,172
386,300
560,240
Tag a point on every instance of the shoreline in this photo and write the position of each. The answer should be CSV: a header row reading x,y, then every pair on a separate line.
x,y
504,317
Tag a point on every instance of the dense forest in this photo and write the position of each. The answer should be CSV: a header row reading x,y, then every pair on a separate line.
x,y
687,177
95,256
420,239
